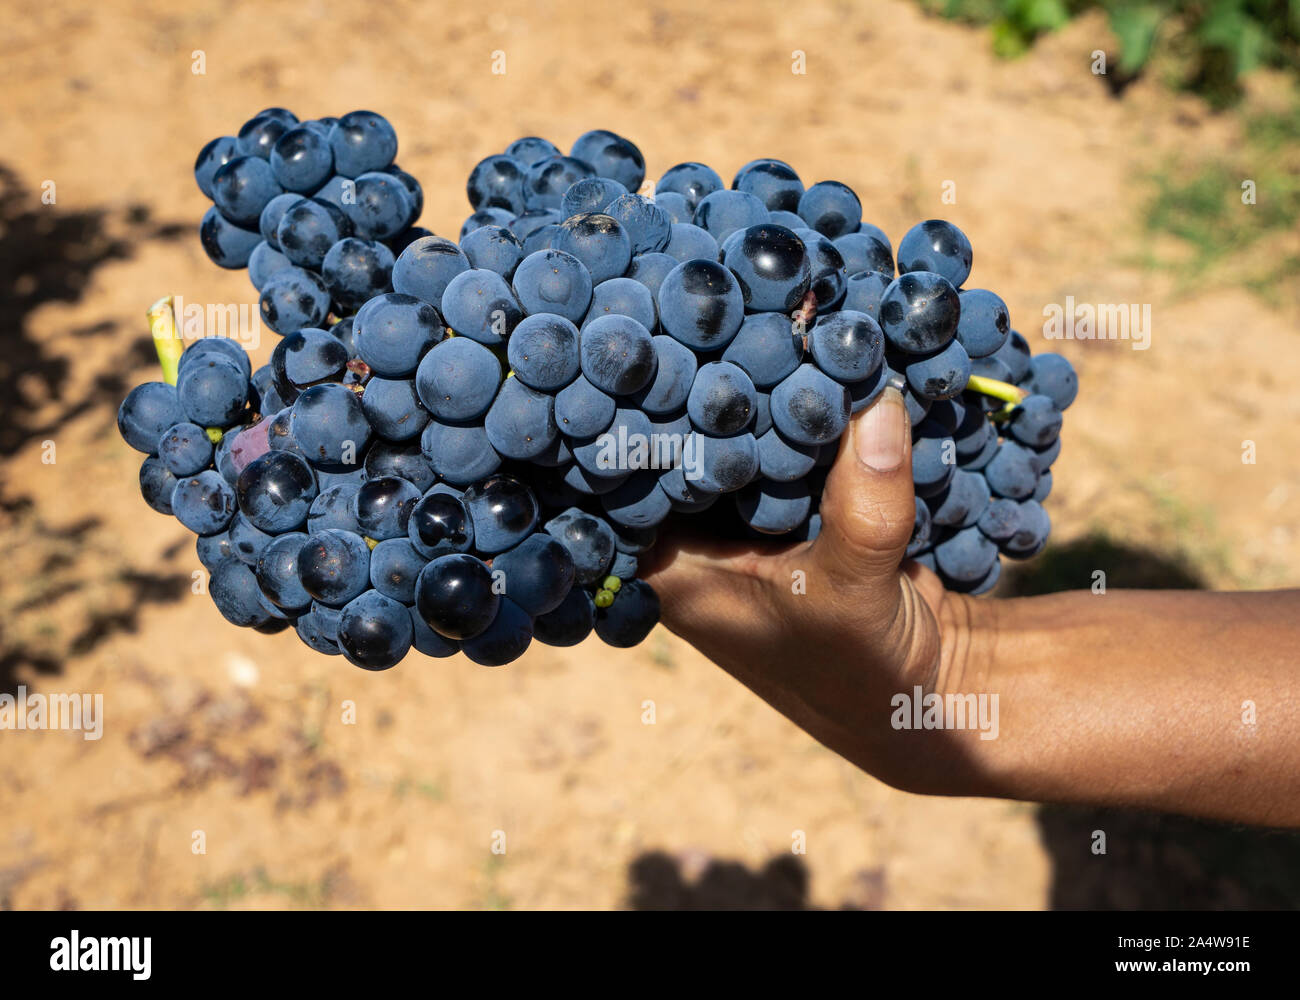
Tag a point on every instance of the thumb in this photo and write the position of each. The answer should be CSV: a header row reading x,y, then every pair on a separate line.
x,y
868,505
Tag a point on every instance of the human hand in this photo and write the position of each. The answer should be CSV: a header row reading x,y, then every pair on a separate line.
x,y
829,631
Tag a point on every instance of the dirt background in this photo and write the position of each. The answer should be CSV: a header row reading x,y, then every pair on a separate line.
x,y
238,737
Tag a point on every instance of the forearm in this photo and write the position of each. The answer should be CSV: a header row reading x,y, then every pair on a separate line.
x,y
1183,701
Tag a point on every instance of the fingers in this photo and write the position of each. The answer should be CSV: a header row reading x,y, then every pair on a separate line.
x,y
868,506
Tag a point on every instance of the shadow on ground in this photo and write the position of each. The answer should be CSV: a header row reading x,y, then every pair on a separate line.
x,y
1073,565
660,881
49,255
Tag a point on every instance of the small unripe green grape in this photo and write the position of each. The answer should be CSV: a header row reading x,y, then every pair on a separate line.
x,y
611,583
604,598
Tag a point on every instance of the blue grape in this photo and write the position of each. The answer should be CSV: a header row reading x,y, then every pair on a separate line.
x,y
685,495
784,461
212,392
690,241
185,449
941,375
647,225
611,156
863,292
693,181
725,463
293,298
674,206
497,182
701,305
669,389
933,463
332,508
1044,488
938,247
1032,530
258,136
862,252
226,244
356,270
922,526
1051,375
984,323
627,621
334,566
382,507
771,265
505,640
1035,421
530,149
234,591
393,332
591,194
552,281
650,269
493,248
779,217
599,242
722,399
570,623
393,409
617,354
277,573
263,262
336,191
520,423
1048,454
774,508
919,312
963,502
302,160
148,410
542,239
308,356
415,197
637,501
766,347
615,450
1015,354
848,346
212,156
454,594
966,557
212,549
458,379
362,141
548,179
459,453
831,208
375,631
157,484
312,631
504,511
810,408
440,524
382,207
538,573
268,222
330,426
579,482
246,541
1013,471
582,410
773,182
622,297
588,538
241,188
425,640
204,503
394,567
543,352
722,213
829,277
485,217
275,492
527,223
403,459
426,267
1000,520
480,305
624,566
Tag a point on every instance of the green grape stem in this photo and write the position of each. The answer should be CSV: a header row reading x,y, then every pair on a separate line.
x,y
998,390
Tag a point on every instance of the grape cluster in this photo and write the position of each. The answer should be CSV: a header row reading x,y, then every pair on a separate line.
x,y
483,444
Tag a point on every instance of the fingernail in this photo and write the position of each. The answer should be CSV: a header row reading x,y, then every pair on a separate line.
x,y
881,432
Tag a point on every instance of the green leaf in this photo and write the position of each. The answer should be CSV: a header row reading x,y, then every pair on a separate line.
x,y
1135,27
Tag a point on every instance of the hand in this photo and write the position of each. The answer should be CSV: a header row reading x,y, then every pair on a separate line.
x,y
828,631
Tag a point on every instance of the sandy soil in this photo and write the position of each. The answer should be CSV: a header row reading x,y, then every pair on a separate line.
x,y
238,739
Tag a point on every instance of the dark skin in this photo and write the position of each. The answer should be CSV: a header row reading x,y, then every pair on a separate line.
x,y
1182,701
